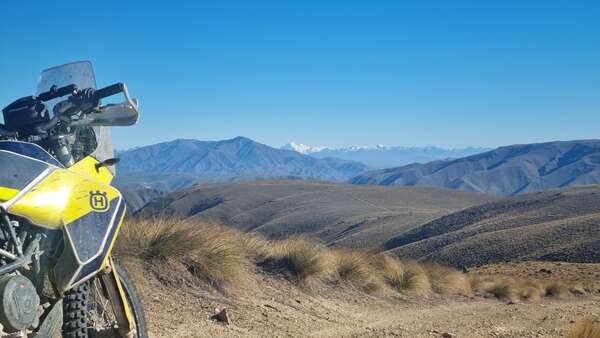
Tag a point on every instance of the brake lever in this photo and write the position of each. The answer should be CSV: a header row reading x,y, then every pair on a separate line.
x,y
85,100
82,100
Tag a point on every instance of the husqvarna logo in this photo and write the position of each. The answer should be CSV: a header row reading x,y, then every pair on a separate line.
x,y
98,201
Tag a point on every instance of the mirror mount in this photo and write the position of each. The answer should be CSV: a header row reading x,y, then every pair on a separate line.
x,y
132,102
106,163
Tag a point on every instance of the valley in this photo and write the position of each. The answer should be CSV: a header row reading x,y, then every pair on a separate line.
x,y
336,214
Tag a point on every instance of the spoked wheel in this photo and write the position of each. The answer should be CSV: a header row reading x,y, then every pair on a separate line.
x,y
88,312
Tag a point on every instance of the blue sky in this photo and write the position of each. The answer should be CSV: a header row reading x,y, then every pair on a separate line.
x,y
448,73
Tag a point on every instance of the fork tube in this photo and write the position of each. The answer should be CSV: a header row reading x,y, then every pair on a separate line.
x,y
13,234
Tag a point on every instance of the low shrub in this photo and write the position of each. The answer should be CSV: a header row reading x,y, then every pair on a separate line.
x,y
445,280
302,259
356,268
210,251
558,290
409,277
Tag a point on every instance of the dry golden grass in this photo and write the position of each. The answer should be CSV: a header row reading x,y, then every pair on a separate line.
x,y
408,277
224,258
577,288
507,288
156,239
580,278
392,271
503,290
256,246
531,290
302,258
356,268
585,329
445,280
209,251
558,290
500,287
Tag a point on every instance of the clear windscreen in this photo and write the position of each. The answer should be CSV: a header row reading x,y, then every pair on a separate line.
x,y
81,74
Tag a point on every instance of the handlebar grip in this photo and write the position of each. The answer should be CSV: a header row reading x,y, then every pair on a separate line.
x,y
108,91
58,92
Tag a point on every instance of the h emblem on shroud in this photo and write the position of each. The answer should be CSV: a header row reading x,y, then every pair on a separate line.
x,y
98,200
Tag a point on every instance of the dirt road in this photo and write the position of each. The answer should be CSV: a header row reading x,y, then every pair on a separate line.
x,y
273,307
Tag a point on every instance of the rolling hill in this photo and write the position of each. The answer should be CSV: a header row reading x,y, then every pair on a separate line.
x,y
337,214
505,171
555,225
181,163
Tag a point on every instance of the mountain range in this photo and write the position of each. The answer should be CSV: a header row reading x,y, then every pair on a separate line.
x,y
152,171
182,163
385,156
505,171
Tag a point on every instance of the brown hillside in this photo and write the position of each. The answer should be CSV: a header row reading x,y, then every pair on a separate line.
x,y
337,214
556,225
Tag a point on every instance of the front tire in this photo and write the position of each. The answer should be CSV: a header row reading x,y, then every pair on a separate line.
x,y
74,312
87,312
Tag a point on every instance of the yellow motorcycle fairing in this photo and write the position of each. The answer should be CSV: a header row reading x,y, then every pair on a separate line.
x,y
63,197
78,200
21,165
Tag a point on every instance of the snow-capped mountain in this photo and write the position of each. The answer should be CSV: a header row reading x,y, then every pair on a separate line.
x,y
381,156
302,148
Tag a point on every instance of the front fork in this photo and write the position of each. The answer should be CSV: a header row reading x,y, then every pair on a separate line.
x,y
118,299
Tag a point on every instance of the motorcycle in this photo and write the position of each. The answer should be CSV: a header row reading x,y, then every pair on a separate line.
x,y
59,214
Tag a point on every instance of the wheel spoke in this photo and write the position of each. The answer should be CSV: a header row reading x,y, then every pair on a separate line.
x,y
99,310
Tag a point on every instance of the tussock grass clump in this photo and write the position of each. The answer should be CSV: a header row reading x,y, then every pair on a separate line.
x,y
585,329
513,288
445,280
222,257
356,268
301,258
210,251
577,289
407,277
500,287
219,259
480,284
151,239
391,270
502,290
531,290
256,247
558,290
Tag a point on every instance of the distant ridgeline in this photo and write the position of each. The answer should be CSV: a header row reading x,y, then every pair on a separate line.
x,y
151,171
386,156
179,164
505,171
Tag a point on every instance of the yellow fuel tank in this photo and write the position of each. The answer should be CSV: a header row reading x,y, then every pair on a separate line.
x,y
65,195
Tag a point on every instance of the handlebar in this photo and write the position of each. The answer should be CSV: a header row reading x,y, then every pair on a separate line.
x,y
81,99
101,93
57,92
108,91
